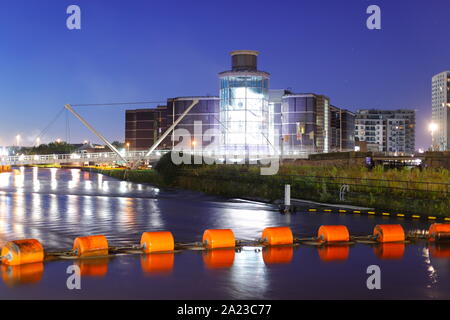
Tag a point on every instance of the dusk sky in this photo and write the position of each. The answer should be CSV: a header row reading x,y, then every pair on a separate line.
x,y
150,50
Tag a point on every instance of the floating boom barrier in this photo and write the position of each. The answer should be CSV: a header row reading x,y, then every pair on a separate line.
x,y
332,241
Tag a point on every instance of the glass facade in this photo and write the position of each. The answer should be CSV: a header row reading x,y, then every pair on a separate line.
x,y
244,113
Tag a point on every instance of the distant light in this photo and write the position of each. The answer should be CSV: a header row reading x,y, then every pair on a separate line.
x,y
433,127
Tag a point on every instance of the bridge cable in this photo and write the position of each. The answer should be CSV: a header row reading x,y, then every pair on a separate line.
x,y
116,103
44,131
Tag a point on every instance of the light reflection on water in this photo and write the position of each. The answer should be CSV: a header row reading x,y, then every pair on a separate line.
x,y
55,206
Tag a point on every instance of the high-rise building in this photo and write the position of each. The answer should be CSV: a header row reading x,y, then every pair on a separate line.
x,y
387,130
244,105
342,130
144,126
441,111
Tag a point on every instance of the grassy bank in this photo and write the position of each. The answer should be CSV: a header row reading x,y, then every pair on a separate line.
x,y
402,191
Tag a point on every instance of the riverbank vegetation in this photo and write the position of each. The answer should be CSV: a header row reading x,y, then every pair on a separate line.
x,y
425,191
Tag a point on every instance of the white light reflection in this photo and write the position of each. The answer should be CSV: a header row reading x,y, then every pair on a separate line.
x,y
5,179
248,267
19,181
53,181
88,185
100,181
155,214
432,273
87,209
123,188
36,183
17,222
54,210
127,214
72,214
246,222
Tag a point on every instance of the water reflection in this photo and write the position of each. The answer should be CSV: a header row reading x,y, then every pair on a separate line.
x,y
25,274
390,251
157,263
440,250
277,255
219,258
93,267
331,253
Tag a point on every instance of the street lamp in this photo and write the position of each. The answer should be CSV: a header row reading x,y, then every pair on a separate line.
x,y
18,140
433,127
128,147
38,142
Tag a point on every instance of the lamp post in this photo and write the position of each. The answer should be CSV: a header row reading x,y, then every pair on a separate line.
x,y
433,127
18,140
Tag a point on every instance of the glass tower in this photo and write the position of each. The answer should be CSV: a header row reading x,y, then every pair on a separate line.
x,y
244,106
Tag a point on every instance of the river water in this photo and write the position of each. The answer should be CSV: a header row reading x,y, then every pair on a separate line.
x,y
58,205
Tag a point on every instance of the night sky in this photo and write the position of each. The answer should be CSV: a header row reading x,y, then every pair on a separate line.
x,y
150,50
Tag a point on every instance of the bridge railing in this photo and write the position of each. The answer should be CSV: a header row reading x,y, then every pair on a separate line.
x,y
76,157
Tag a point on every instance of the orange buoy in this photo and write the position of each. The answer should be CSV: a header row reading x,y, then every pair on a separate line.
x,y
20,252
218,238
23,274
333,253
389,233
157,241
390,251
277,255
216,259
439,232
277,236
333,234
157,263
91,246
93,267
